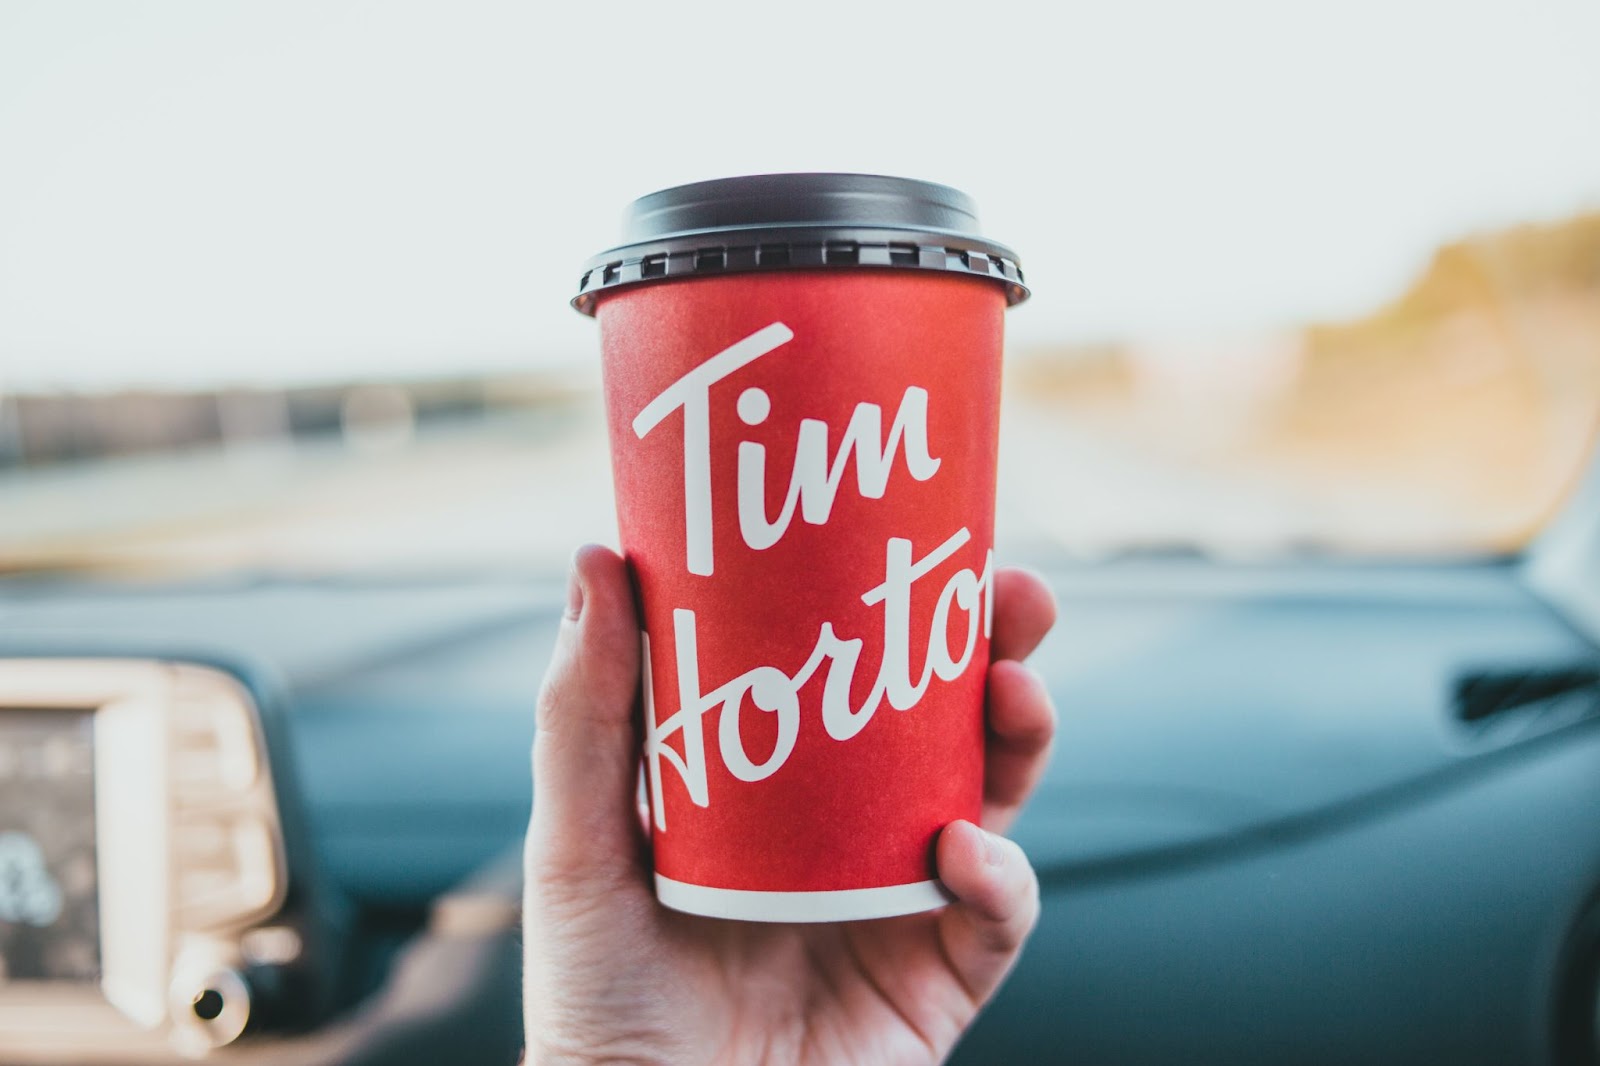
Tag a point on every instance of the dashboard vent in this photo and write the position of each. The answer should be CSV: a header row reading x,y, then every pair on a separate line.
x,y
1503,706
1574,689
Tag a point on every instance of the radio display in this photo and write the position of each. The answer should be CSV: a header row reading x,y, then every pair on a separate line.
x,y
49,907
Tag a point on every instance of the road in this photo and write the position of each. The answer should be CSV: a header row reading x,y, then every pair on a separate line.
x,y
516,491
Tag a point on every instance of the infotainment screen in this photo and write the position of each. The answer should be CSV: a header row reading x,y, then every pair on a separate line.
x,y
49,912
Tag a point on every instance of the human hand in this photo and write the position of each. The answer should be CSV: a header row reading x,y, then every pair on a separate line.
x,y
611,975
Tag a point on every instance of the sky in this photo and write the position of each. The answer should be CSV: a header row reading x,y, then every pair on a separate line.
x,y
201,194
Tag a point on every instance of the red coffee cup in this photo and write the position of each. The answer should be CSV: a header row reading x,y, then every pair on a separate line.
x,y
802,382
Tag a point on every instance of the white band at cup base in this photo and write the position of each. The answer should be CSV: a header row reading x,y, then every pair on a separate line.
x,y
839,905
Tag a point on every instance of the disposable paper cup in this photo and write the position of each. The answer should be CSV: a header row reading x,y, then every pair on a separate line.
x,y
802,382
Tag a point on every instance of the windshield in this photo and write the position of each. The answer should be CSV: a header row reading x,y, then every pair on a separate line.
x,y
283,289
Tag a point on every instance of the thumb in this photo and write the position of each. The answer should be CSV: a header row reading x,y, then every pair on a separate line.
x,y
586,750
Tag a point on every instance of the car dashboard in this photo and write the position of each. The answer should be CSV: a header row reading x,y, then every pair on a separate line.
x,y
1327,812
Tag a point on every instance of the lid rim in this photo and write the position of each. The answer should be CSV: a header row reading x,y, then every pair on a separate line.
x,y
667,263
784,231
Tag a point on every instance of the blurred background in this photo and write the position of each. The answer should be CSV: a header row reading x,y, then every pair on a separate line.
x,y
283,287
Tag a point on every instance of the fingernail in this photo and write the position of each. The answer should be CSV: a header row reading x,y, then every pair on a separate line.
x,y
993,853
574,594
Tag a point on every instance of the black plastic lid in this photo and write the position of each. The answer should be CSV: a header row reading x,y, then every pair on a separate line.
x,y
799,221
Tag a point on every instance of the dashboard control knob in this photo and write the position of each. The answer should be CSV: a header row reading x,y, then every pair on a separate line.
x,y
209,1008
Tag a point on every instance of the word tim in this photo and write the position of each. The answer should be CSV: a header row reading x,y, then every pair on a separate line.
x,y
815,480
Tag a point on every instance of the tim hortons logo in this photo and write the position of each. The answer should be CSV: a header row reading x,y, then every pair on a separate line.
x,y
814,485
